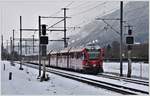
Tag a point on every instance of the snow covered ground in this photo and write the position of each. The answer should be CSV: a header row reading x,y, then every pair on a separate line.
x,y
139,69
25,82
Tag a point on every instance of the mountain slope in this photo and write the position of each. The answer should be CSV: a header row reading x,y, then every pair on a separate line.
x,y
135,13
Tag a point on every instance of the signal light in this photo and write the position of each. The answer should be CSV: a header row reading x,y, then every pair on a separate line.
x,y
129,32
129,40
43,29
129,47
44,40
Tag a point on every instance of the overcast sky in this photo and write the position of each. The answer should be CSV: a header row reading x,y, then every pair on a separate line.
x,y
81,13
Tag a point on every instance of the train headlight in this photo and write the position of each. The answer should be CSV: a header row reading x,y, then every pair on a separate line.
x,y
85,64
94,65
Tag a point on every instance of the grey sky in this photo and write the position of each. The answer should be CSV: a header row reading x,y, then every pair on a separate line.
x,y
82,12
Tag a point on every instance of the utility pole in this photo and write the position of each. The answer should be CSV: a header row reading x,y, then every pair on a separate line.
x,y
18,47
39,47
11,51
26,47
7,46
13,41
20,44
2,48
29,50
7,50
33,44
39,29
120,33
65,39
121,37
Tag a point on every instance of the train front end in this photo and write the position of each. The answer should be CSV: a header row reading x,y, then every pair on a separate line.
x,y
93,60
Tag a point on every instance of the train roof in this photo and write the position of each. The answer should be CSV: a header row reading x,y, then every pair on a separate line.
x,y
66,50
50,51
76,50
70,50
54,52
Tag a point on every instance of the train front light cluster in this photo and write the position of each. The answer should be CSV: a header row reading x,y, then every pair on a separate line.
x,y
94,65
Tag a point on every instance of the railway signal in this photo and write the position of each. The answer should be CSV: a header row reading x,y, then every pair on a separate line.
x,y
44,42
42,33
129,42
43,29
129,39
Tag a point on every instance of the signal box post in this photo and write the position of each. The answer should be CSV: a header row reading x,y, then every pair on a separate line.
x,y
44,42
129,42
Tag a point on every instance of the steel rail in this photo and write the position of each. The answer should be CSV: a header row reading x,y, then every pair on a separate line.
x,y
109,86
141,82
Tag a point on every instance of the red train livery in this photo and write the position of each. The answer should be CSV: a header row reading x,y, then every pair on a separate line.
x,y
87,60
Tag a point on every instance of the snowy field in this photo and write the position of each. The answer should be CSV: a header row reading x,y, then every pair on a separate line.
x,y
24,83
138,69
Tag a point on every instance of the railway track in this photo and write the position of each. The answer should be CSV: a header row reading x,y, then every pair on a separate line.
x,y
102,84
131,80
141,82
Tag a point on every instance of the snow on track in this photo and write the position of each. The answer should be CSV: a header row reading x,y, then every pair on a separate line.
x,y
26,83
119,82
139,69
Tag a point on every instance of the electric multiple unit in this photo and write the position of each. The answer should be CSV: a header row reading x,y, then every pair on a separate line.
x,y
87,60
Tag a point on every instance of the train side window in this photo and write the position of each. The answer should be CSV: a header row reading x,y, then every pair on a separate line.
x,y
72,55
102,53
83,56
79,55
76,55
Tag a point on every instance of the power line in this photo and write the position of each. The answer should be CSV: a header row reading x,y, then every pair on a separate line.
x,y
135,9
59,12
78,6
111,27
55,24
69,4
108,12
87,10
93,19
83,5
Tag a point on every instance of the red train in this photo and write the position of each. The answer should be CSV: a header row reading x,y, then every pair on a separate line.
x,y
87,60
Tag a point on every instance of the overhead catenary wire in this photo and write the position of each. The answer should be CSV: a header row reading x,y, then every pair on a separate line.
x,y
89,9
60,11
69,4
83,5
106,12
117,31
86,21
80,4
55,24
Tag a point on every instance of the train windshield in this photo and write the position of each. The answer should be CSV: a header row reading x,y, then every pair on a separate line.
x,y
94,54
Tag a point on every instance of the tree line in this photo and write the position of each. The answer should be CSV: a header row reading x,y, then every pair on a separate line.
x,y
138,51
